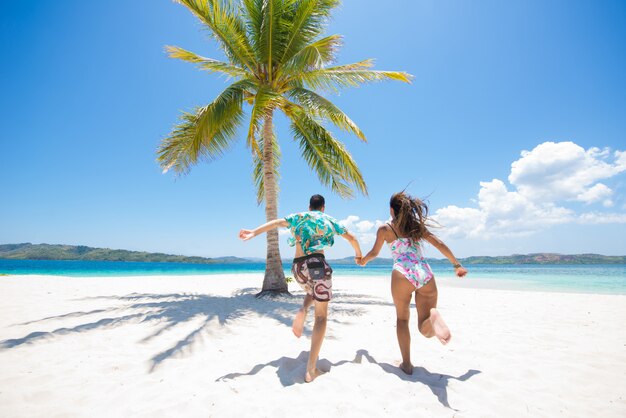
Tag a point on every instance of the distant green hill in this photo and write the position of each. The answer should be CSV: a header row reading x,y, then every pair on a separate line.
x,y
546,258
538,258
28,251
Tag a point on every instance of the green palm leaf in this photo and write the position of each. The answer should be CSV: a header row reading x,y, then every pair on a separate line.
x,y
319,106
226,27
268,39
207,133
350,75
313,56
207,64
253,10
308,20
324,154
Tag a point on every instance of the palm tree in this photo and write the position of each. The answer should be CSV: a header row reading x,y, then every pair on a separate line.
x,y
277,58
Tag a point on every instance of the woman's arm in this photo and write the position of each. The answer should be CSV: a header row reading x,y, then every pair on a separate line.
x,y
443,249
246,234
378,244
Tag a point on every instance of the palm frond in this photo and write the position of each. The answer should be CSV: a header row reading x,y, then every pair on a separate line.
x,y
207,64
272,35
324,154
226,27
307,21
319,106
257,171
349,75
314,56
205,134
174,152
252,9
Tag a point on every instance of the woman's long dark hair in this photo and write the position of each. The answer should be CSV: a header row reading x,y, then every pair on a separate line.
x,y
411,215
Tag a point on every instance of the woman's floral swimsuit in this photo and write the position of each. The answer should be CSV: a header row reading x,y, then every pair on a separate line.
x,y
409,260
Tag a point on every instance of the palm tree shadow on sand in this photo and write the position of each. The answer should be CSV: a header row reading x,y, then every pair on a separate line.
x,y
167,310
171,310
290,371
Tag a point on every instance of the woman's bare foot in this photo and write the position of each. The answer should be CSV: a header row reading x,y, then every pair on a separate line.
x,y
439,327
298,323
407,368
311,375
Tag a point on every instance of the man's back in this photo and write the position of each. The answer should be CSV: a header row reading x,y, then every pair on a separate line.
x,y
313,231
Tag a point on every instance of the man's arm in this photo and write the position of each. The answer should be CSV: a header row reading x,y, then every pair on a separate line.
x,y
354,242
246,234
378,244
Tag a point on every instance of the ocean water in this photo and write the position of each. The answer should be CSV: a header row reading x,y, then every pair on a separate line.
x,y
603,278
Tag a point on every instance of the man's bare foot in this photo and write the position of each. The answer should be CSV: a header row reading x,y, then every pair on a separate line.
x,y
312,374
298,323
407,368
439,327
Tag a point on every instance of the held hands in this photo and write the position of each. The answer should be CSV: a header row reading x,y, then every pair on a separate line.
x,y
246,234
360,261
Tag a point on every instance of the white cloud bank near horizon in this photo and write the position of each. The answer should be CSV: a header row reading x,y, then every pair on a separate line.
x,y
541,183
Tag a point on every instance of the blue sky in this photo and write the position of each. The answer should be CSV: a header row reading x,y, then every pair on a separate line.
x,y
514,127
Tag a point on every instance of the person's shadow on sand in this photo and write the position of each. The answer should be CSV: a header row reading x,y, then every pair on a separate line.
x,y
291,371
436,382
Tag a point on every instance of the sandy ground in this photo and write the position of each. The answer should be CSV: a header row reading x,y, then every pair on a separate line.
x,y
198,346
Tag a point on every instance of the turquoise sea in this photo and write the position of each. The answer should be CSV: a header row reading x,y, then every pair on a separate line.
x,y
607,279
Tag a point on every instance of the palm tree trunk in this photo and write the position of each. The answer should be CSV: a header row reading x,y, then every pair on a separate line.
x,y
274,281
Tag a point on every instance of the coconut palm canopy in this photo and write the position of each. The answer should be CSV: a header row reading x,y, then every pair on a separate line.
x,y
279,60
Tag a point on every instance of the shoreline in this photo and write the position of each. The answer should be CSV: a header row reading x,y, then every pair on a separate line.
x,y
471,282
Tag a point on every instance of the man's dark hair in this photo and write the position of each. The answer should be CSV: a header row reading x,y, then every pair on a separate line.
x,y
317,202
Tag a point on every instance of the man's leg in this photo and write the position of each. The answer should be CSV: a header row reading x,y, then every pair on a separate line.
x,y
319,330
298,322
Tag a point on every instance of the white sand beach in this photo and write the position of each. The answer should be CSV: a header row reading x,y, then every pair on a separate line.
x,y
199,346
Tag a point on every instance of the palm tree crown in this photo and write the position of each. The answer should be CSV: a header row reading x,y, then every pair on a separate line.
x,y
277,57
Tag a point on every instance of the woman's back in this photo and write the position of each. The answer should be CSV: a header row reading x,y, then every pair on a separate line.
x,y
404,248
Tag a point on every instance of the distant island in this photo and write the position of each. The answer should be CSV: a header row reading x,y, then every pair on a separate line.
x,y
536,258
28,251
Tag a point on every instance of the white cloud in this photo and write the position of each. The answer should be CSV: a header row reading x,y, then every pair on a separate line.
x,y
602,218
565,171
620,160
364,230
596,193
542,180
461,222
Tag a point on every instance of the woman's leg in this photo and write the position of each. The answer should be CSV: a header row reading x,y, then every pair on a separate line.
x,y
402,291
319,330
429,321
